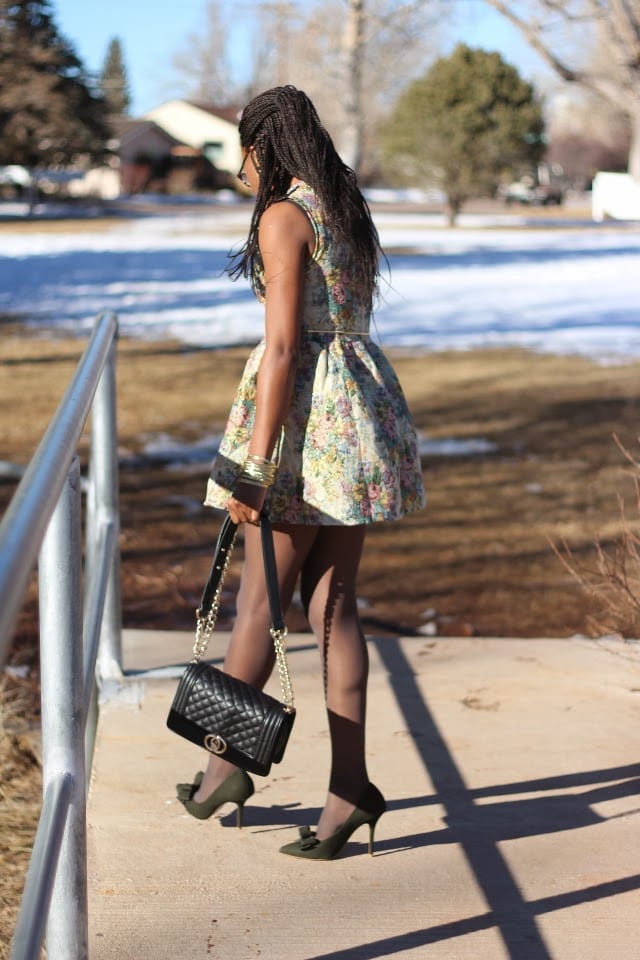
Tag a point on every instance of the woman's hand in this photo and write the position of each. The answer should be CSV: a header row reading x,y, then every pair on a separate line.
x,y
246,502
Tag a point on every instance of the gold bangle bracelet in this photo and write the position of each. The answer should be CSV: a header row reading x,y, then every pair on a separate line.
x,y
263,474
243,478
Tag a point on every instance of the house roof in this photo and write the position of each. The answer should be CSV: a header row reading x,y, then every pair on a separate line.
x,y
230,114
129,128
192,124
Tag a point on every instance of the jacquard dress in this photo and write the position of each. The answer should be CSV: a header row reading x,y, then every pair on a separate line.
x,y
348,451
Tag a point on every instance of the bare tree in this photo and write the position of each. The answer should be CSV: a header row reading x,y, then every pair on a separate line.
x,y
278,28
385,45
203,62
352,57
612,25
355,56
353,42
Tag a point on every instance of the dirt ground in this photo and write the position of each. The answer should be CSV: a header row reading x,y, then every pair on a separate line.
x,y
477,561
477,557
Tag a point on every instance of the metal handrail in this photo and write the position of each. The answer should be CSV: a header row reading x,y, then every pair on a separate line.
x,y
44,521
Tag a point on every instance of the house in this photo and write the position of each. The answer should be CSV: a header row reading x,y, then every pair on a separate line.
x,y
615,195
144,152
179,147
212,131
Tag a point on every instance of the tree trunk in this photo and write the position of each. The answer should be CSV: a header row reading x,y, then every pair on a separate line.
x,y
352,48
634,150
454,205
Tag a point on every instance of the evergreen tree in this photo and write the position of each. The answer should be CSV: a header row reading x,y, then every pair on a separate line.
x,y
464,126
113,80
49,116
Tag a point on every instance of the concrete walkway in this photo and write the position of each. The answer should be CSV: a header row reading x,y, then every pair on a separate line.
x,y
512,774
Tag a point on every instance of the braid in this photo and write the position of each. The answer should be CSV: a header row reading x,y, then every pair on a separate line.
x,y
284,129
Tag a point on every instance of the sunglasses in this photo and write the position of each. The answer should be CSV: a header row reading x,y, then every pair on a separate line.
x,y
241,175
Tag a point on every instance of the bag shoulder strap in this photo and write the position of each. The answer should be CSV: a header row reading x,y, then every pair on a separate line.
x,y
221,557
273,590
207,612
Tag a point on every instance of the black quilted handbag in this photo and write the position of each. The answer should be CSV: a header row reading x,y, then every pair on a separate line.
x,y
220,713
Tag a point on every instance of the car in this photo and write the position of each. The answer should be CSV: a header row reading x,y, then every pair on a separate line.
x,y
535,194
14,180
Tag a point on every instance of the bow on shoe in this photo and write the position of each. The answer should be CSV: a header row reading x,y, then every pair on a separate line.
x,y
308,839
185,791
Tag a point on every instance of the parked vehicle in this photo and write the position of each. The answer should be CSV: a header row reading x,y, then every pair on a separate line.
x,y
14,181
529,192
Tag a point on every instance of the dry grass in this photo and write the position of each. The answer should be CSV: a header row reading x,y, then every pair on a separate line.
x,y
20,787
478,558
479,554
610,575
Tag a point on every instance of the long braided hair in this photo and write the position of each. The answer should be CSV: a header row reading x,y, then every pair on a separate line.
x,y
284,129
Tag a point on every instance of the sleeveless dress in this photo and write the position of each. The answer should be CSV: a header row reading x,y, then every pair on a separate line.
x,y
348,451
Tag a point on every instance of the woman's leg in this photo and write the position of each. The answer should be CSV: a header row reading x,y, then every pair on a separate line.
x,y
328,588
250,656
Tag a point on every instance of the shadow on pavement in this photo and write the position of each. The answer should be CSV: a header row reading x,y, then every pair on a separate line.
x,y
477,829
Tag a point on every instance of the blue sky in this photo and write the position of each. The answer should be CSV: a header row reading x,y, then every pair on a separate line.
x,y
151,33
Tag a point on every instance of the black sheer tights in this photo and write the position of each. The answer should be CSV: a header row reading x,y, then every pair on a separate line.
x,y
326,559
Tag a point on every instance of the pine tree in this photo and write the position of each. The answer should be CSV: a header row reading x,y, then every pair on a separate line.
x,y
466,124
49,115
113,80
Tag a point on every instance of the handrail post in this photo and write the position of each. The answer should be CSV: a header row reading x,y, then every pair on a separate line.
x,y
23,525
102,505
44,519
60,590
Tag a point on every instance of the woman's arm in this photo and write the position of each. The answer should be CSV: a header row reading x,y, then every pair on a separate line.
x,y
286,238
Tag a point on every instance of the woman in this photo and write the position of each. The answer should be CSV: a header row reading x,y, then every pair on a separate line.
x,y
319,431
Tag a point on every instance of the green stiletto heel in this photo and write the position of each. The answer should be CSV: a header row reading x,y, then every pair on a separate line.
x,y
237,788
370,808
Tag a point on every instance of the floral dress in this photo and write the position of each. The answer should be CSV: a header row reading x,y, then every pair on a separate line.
x,y
348,451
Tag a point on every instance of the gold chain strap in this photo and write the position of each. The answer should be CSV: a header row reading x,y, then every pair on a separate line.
x,y
205,625
279,637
